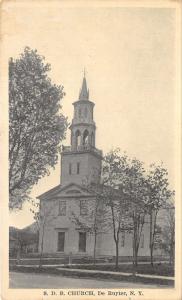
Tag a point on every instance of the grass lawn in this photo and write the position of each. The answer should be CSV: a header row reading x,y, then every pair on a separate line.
x,y
163,269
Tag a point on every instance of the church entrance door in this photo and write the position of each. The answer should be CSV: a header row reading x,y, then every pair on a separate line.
x,y
82,241
61,239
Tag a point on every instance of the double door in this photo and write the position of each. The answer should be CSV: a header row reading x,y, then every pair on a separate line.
x,y
81,244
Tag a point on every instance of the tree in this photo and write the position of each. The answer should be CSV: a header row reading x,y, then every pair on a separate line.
x,y
36,126
127,195
94,221
114,170
136,192
43,216
158,198
168,234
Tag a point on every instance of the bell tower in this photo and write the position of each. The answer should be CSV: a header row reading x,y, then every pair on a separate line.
x,y
83,125
82,160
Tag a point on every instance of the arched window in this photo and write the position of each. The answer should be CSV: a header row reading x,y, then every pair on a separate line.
x,y
85,137
92,139
78,138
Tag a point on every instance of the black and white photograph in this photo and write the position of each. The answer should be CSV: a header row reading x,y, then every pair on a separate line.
x,y
93,158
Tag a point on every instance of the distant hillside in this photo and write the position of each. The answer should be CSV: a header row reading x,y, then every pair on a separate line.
x,y
13,231
32,228
29,233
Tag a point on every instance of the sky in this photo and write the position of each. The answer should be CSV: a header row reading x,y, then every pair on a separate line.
x,y
129,56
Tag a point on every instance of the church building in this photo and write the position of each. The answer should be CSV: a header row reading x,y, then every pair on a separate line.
x,y
80,162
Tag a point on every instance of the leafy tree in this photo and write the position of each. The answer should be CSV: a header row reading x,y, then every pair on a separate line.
x,y
168,234
136,192
36,126
114,170
126,193
159,195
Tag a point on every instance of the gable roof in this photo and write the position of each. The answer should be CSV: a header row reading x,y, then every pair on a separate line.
x,y
49,192
78,190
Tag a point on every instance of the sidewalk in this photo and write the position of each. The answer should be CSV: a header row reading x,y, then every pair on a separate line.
x,y
115,273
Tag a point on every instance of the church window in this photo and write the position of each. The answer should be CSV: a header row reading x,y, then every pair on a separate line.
x,y
85,112
92,114
79,113
78,168
70,167
142,241
83,207
62,208
85,137
122,239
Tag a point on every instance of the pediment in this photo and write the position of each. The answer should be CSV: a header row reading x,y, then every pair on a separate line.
x,y
73,191
67,191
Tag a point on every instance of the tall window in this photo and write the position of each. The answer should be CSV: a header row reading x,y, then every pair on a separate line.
x,y
70,168
122,239
83,207
142,241
85,112
79,113
78,168
62,208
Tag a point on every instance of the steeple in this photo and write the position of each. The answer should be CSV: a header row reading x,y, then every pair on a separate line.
x,y
84,92
82,160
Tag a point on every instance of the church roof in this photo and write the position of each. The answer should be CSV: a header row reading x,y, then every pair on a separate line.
x,y
54,189
84,92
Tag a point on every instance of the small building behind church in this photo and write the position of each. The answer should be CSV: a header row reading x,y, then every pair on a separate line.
x,y
80,162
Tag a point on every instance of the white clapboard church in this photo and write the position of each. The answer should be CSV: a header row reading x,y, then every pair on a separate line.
x,y
80,160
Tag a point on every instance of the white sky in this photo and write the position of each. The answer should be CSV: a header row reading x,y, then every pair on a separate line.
x,y
130,62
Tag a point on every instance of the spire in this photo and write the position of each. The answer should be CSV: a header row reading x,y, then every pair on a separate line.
x,y
84,93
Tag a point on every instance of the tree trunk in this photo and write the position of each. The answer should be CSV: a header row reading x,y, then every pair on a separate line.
x,y
95,243
152,234
135,257
151,256
41,248
117,255
151,250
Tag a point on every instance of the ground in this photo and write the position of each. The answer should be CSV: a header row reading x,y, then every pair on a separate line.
x,y
32,280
